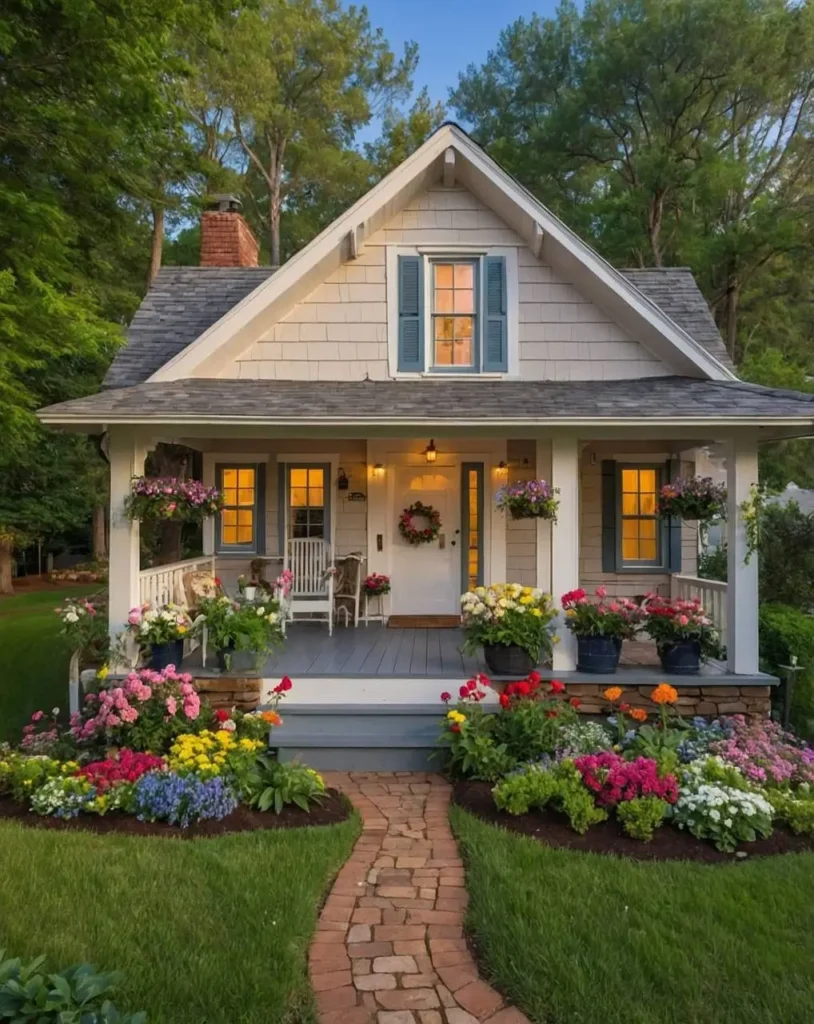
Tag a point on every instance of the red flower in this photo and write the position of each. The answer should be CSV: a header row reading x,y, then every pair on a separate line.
x,y
222,715
624,707
455,727
534,678
217,581
446,697
557,686
552,714
464,691
505,700
471,684
524,689
575,702
283,686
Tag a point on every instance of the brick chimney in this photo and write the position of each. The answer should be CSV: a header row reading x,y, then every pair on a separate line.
x,y
226,238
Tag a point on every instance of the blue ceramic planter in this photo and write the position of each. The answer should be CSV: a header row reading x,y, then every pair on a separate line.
x,y
162,655
598,655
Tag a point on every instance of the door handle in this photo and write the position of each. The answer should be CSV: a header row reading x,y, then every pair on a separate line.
x,y
457,531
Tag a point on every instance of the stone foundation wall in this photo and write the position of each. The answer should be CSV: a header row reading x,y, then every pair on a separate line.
x,y
230,692
692,700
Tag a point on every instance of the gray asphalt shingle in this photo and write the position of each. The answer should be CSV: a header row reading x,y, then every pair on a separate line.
x,y
425,401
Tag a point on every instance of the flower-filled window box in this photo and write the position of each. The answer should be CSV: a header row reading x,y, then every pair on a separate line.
x,y
529,499
696,498
170,498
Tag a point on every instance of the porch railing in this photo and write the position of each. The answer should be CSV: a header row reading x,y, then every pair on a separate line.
x,y
711,592
165,583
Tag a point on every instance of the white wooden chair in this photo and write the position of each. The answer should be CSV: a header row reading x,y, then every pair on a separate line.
x,y
312,591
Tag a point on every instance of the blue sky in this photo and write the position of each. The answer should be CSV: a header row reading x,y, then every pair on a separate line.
x,y
451,34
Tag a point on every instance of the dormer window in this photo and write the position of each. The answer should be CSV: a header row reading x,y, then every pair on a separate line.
x,y
452,314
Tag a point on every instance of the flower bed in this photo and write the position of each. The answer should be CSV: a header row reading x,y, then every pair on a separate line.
x,y
699,789
146,755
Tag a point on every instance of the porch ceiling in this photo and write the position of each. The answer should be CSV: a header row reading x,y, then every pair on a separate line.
x,y
666,401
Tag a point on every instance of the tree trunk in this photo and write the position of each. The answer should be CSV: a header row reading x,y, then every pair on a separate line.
x,y
6,551
655,218
99,536
170,460
733,290
157,241
169,543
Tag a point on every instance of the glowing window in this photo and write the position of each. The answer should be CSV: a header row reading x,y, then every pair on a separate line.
x,y
306,501
453,314
640,540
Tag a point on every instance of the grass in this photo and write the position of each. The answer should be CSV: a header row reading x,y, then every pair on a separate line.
x,y
34,656
578,938
208,931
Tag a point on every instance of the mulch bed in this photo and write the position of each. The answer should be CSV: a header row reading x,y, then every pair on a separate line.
x,y
333,809
552,829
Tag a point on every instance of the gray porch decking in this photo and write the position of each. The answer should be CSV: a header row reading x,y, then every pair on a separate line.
x,y
378,652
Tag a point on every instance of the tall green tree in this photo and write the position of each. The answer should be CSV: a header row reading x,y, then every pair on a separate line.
x,y
300,77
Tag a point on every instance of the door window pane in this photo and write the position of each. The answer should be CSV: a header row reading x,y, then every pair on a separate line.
x,y
474,556
306,501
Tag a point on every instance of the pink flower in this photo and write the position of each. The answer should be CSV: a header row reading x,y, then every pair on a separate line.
x,y
37,716
601,592
171,705
113,721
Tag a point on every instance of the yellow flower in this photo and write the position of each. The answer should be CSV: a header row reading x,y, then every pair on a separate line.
x,y
103,672
536,613
526,599
613,693
182,630
456,716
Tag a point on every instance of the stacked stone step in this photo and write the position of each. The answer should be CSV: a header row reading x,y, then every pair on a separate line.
x,y
390,946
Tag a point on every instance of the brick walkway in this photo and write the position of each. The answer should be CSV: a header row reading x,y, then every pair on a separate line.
x,y
389,946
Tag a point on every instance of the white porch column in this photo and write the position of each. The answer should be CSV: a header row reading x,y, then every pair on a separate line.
x,y
565,539
543,472
126,453
742,588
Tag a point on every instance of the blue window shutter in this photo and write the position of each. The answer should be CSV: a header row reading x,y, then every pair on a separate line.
x,y
411,314
495,340
671,528
609,518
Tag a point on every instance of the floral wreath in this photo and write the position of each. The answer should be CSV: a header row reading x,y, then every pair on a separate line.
x,y
413,535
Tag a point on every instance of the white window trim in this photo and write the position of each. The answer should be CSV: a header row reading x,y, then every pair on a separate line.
x,y
509,253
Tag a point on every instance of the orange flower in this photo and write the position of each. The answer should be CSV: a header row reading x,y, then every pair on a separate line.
x,y
613,693
664,694
271,717
638,715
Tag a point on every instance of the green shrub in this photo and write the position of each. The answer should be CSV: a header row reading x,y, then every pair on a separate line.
x,y
561,785
797,813
712,564
76,996
786,632
271,785
787,556
641,816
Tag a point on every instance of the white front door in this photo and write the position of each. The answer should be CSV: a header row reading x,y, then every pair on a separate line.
x,y
426,578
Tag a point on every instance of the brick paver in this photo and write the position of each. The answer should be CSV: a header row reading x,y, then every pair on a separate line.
x,y
389,946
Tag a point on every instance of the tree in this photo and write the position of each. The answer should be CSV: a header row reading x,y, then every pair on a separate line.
x,y
672,131
299,77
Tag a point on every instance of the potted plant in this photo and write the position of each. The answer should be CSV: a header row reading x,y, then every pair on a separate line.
x,y
692,498
376,584
600,626
232,627
160,633
684,634
170,498
513,625
84,624
529,499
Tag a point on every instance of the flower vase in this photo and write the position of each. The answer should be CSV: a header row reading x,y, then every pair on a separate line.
x,y
508,660
682,658
598,655
162,655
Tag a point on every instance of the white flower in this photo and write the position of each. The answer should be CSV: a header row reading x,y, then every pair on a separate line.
x,y
72,617
715,815
727,823
273,617
260,611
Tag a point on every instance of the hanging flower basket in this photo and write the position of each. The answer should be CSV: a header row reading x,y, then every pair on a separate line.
x,y
529,499
162,499
427,531
695,498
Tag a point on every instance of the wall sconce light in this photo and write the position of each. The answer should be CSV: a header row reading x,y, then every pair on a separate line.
x,y
502,469
341,479
431,452
378,471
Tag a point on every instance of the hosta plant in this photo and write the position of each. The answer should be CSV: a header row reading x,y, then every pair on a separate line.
x,y
79,995
272,785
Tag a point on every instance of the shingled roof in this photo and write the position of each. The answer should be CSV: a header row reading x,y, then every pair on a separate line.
x,y
185,301
302,403
181,304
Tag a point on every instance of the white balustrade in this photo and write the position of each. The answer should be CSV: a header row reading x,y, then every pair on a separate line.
x,y
165,583
711,593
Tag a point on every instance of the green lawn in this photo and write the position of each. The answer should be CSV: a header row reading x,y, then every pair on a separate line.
x,y
33,656
577,938
208,931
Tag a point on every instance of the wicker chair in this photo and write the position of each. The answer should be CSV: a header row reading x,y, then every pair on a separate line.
x,y
348,587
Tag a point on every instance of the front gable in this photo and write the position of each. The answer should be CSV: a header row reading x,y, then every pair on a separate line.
x,y
331,313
